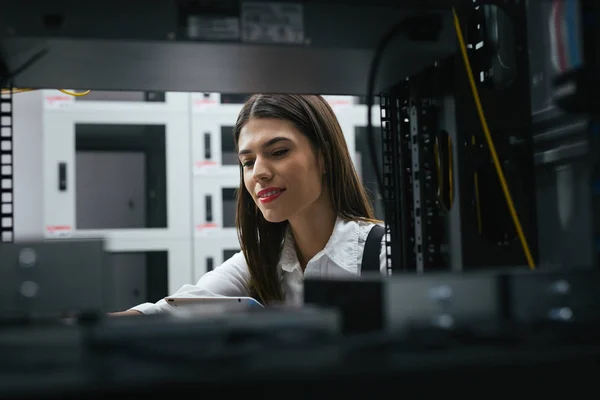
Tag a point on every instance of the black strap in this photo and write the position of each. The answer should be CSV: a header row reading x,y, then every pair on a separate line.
x,y
370,260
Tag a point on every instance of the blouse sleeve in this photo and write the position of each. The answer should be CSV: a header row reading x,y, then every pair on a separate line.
x,y
229,279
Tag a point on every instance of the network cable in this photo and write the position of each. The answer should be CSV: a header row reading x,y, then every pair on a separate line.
x,y
492,148
371,142
7,80
65,91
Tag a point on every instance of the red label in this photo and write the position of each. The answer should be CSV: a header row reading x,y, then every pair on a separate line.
x,y
204,102
57,98
55,228
205,163
208,225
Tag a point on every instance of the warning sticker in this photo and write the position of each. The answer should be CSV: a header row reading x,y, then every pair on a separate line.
x,y
272,23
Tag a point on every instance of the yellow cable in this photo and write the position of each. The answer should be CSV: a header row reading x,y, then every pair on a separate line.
x,y
74,94
15,91
70,93
440,174
488,136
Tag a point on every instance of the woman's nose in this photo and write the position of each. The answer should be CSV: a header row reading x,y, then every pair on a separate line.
x,y
261,170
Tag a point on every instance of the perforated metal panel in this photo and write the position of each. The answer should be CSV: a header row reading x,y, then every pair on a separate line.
x,y
6,168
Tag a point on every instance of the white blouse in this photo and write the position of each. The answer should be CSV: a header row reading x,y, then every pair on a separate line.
x,y
341,257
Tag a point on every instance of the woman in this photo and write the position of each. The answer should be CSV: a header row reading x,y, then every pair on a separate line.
x,y
301,208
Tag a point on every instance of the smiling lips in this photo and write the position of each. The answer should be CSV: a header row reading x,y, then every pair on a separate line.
x,y
269,194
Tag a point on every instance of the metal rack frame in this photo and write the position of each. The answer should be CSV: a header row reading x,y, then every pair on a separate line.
x,y
426,236
7,222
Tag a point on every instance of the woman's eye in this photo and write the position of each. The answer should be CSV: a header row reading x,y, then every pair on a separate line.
x,y
247,163
280,152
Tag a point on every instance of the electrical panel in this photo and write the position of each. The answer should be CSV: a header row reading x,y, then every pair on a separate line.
x,y
105,137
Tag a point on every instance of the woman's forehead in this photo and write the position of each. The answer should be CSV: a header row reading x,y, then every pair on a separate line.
x,y
259,131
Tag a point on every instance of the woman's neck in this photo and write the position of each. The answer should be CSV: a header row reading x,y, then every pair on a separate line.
x,y
312,229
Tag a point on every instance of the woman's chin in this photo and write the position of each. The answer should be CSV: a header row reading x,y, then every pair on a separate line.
x,y
273,217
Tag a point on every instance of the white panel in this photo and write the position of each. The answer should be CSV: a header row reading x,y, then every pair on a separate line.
x,y
179,174
205,225
179,255
211,121
180,250
205,162
60,102
213,248
149,236
210,104
28,166
204,102
59,146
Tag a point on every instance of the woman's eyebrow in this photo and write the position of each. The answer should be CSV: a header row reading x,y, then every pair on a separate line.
x,y
268,143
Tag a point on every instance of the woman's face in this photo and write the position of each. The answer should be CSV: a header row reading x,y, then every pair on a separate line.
x,y
281,170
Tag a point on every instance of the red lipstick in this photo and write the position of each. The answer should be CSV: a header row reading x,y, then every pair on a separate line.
x,y
269,194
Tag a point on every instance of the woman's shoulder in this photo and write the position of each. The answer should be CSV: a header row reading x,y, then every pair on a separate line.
x,y
362,227
236,261
354,233
234,266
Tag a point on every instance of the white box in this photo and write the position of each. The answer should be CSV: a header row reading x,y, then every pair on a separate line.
x,y
210,252
59,148
60,117
214,216
179,250
208,130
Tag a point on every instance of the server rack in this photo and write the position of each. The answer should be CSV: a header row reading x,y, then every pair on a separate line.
x,y
444,204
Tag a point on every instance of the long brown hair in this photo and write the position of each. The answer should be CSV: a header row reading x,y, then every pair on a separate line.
x,y
261,240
